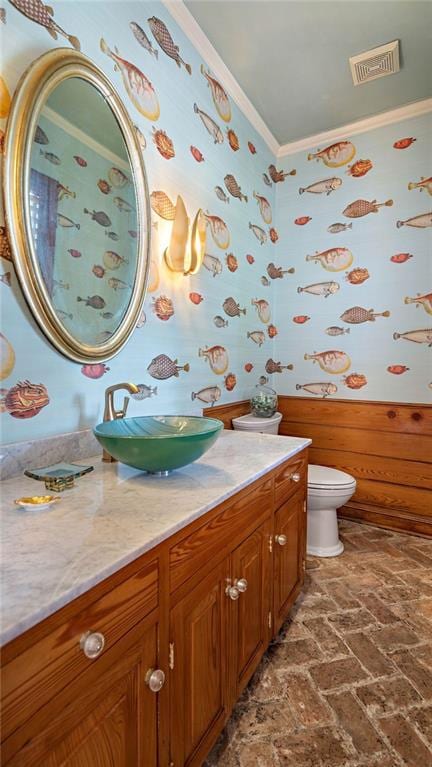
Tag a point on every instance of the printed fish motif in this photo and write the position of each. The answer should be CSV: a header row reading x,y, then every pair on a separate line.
x,y
403,143
360,168
213,264
334,330
3,15
334,259
133,233
276,272
5,278
162,205
355,380
94,371
142,38
232,308
230,381
112,260
95,302
300,319
263,309
327,186
266,179
163,38
50,156
209,395
233,187
163,144
162,367
303,220
424,183
220,322
219,230
419,222
221,194
80,161
400,258
144,392
357,314
320,289
219,96
357,276
99,216
24,400
196,154
321,389
40,137
273,235
251,147
196,298
335,155
7,357
425,301
112,235
272,331
122,205
397,370
163,307
331,361
360,208
103,186
264,281
64,191
276,367
336,228
138,86
210,125
233,140
248,367
257,336
259,233
118,178
263,380
63,315
250,259
217,357
66,222
279,175
99,272
36,11
74,253
117,284
231,262
423,336
107,315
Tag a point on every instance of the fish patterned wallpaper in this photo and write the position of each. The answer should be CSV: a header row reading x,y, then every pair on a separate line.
x,y
199,339
355,319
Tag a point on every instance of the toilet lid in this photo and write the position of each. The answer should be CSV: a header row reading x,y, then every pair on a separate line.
x,y
253,420
323,476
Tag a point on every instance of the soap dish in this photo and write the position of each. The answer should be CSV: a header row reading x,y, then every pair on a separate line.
x,y
38,502
59,476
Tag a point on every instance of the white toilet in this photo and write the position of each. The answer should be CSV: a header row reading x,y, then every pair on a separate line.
x,y
328,490
253,423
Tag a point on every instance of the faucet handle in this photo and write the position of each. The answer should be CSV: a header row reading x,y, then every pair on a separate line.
x,y
110,413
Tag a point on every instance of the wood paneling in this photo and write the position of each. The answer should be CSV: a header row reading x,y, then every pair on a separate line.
x,y
226,413
386,446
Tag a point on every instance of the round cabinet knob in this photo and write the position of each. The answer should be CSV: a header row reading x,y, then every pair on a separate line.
x,y
92,644
232,592
241,584
155,678
296,477
281,539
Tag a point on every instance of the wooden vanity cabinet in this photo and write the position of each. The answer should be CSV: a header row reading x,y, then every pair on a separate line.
x,y
289,555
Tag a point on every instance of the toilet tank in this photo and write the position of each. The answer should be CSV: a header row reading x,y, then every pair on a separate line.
x,y
260,425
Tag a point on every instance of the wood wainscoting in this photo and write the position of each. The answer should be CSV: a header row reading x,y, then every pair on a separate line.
x,y
386,446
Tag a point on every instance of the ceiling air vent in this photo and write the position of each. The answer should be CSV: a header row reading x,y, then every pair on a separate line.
x,y
379,62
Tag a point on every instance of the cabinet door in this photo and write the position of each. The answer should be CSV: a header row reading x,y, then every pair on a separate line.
x,y
289,555
250,625
106,718
198,680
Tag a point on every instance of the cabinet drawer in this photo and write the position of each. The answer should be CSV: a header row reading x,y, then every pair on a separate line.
x,y
39,673
209,540
285,485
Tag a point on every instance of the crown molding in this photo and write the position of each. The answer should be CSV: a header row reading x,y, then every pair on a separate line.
x,y
414,109
202,44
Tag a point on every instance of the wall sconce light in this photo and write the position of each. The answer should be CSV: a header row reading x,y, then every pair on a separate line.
x,y
185,254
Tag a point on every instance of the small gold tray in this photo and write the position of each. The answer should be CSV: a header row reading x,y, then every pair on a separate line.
x,y
37,501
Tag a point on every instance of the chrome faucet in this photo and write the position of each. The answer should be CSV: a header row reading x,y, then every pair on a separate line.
x,y
111,414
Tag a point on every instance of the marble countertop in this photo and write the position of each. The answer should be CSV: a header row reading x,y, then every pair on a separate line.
x,y
111,517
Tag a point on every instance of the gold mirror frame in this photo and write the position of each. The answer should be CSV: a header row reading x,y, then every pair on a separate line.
x,y
36,84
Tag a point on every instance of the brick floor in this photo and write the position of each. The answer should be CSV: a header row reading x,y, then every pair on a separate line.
x,y
348,681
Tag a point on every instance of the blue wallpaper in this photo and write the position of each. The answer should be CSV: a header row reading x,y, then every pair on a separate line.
x,y
355,318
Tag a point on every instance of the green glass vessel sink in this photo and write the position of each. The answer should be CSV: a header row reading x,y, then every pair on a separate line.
x,y
158,443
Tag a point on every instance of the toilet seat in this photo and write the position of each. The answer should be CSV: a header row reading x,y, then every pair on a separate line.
x,y
322,479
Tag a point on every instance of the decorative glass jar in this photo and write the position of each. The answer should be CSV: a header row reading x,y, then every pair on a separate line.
x,y
264,402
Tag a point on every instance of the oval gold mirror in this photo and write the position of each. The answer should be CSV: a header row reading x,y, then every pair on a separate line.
x,y
77,206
